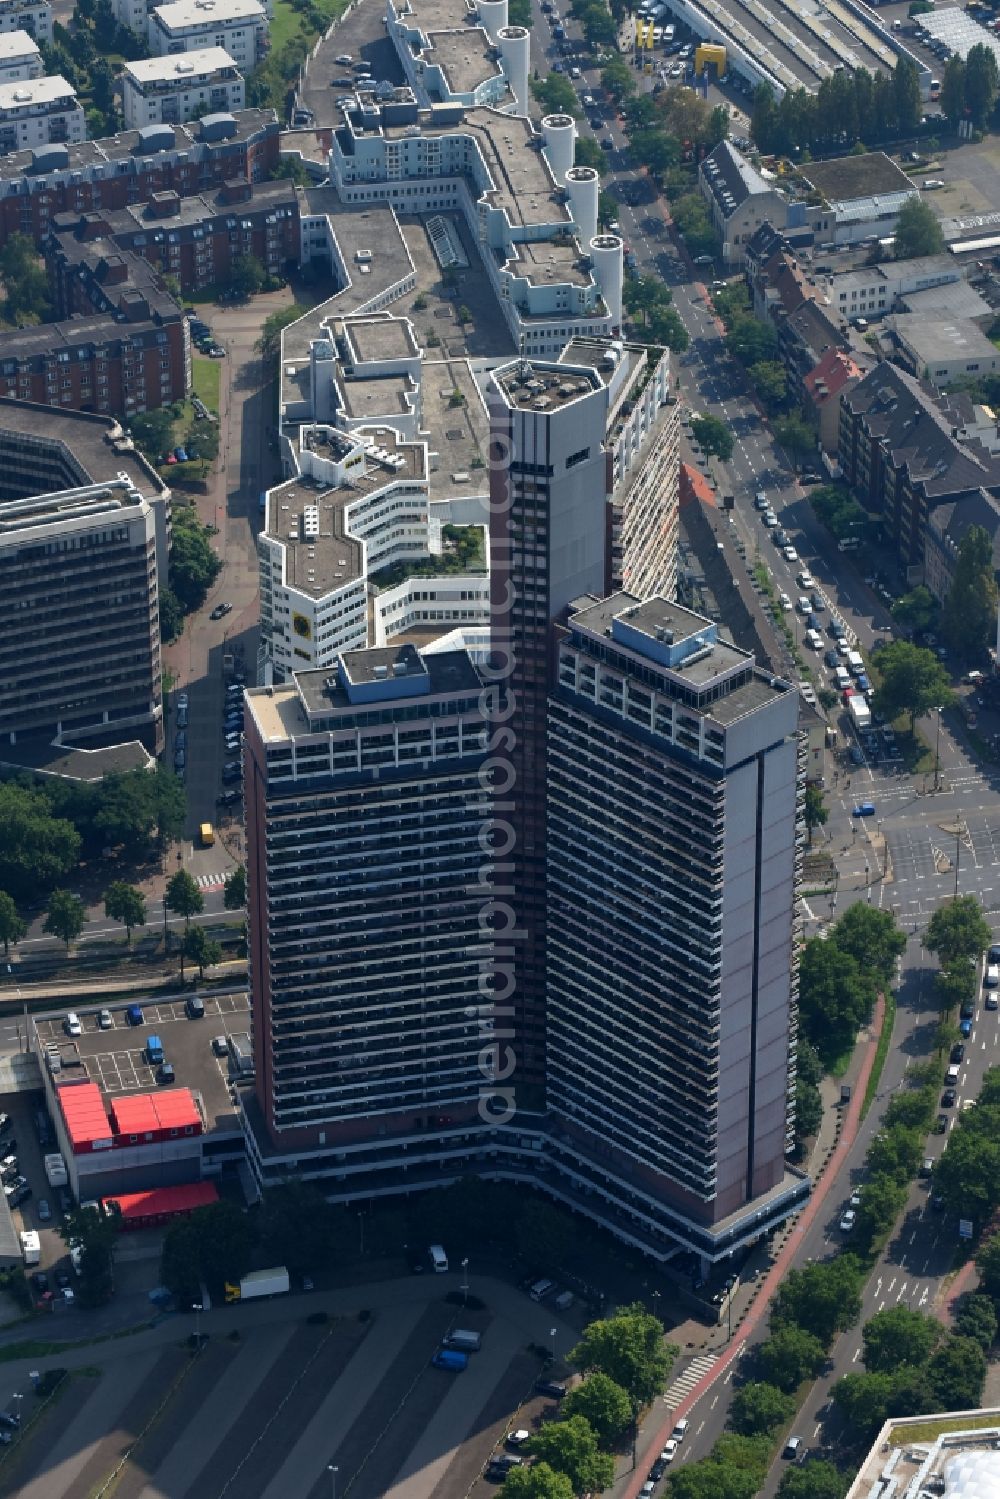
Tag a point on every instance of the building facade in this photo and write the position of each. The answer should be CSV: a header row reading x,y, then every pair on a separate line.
x,y
129,169
238,26
174,89
672,847
32,16
39,112
79,624
19,57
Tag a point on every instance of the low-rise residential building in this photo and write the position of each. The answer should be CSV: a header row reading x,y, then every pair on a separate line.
x,y
98,363
195,239
130,168
39,112
740,199
32,16
238,26
946,526
172,90
19,57
837,372
902,451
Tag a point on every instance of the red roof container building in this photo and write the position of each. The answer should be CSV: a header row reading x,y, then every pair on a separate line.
x,y
85,1117
142,1118
136,1210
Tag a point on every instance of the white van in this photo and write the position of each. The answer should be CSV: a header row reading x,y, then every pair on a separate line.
x,y
855,662
951,1076
439,1260
991,978
842,678
680,1430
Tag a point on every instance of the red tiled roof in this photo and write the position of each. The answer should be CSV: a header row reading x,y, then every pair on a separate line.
x,y
834,370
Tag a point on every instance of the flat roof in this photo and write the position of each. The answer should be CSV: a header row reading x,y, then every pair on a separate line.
x,y
93,443
535,386
847,177
137,1206
372,340
36,93
88,503
140,1113
954,1454
432,15
183,13
17,44
458,434
933,339
464,57
378,397
72,764
83,1112
181,65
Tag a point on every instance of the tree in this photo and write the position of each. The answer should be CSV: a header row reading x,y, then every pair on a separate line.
x,y
917,610
898,1336
917,231
628,1347
665,327
201,950
246,276
297,1227
126,904
808,1099
968,619
556,95
570,1447
171,614
977,1319
958,930
587,153
712,436
185,899
982,84
603,1404
968,1174
835,996
537,1482
12,927
769,382
764,118
954,985
235,895
953,89
94,1235
913,1109
645,293
988,1265
872,938
863,1401
153,431
908,105
913,681
25,283
817,1480
789,1356
822,1298
895,1153
758,1408
617,80
36,849
64,916
816,809
752,341
957,1373
795,435
543,1234
838,510
193,564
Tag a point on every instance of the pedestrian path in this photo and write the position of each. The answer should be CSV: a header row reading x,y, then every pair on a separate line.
x,y
211,881
685,1383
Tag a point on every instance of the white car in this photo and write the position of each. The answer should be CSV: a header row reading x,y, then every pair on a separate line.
x,y
182,700
848,1221
587,100
105,1021
669,1452
345,59
855,1200
575,73
790,554
71,1025
770,519
784,602
803,605
806,579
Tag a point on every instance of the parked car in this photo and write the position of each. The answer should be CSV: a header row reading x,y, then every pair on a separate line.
x,y
71,1025
105,1021
44,1211
133,1015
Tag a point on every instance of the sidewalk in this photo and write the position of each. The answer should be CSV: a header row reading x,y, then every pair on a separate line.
x,y
656,1430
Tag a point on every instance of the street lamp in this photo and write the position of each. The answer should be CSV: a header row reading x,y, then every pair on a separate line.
x,y
333,1479
465,1280
361,1226
552,1335
18,1397
937,751
197,1309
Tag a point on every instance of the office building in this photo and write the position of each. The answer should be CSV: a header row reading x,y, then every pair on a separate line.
x,y
672,833
19,57
39,112
448,61
172,90
238,26
364,811
79,628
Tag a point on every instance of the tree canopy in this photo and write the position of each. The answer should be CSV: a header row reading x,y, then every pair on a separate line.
x,y
913,681
918,231
570,1447
36,848
12,925
603,1404
872,938
968,619
556,95
194,566
897,1336
957,931
124,903
838,510
712,436
628,1347
836,996
759,1408
917,610
823,1298
64,916
213,1245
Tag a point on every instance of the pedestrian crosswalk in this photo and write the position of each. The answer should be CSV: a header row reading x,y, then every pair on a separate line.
x,y
685,1383
210,881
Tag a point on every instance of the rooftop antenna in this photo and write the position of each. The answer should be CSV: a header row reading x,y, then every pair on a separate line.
x,y
523,367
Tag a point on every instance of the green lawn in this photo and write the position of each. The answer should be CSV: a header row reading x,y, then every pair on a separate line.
x,y
206,377
287,22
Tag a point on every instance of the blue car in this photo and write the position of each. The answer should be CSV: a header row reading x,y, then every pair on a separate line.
x,y
181,455
966,1028
864,809
133,1014
863,683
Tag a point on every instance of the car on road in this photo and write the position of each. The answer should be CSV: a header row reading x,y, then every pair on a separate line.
x,y
864,809
180,759
792,1447
958,1052
575,72
760,498
965,1027
607,144
993,956
182,718
551,1388
855,1198
228,799
770,519
344,59
848,1221
220,610
669,1452
941,1124
44,1211
784,602
992,1002
790,554
991,978
105,1022
948,1098
71,1025
805,578
830,658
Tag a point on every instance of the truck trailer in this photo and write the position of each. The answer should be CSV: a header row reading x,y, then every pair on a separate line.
x,y
859,710
55,1170
259,1283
